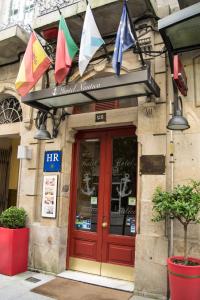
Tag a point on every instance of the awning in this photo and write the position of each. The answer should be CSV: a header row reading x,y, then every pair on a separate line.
x,y
137,83
181,30
13,42
186,3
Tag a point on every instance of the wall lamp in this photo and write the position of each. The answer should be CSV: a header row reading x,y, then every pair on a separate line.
x,y
41,121
178,122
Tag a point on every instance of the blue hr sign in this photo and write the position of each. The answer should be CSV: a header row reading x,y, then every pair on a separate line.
x,y
52,161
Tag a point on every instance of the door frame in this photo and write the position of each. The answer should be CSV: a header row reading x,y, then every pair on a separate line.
x,y
73,180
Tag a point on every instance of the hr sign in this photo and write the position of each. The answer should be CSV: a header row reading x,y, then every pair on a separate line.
x,y
52,161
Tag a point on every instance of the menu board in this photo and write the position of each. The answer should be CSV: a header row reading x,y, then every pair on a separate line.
x,y
49,196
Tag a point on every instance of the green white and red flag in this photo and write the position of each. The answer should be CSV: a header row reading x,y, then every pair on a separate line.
x,y
65,51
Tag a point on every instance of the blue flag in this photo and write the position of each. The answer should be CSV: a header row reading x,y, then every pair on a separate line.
x,y
124,40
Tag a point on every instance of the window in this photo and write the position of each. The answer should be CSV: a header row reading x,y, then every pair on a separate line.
x,y
10,111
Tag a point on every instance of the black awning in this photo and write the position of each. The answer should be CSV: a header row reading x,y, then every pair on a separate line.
x,y
186,3
137,83
180,30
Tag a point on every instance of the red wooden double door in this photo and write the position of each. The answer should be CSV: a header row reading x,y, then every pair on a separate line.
x,y
103,196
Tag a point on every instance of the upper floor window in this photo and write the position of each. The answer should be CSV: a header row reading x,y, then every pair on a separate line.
x,y
14,11
21,12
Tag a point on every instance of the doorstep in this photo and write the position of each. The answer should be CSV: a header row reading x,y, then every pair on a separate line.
x,y
117,284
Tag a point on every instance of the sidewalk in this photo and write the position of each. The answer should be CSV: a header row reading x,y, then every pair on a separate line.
x,y
19,288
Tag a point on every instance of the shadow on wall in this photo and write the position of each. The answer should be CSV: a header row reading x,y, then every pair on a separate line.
x,y
9,170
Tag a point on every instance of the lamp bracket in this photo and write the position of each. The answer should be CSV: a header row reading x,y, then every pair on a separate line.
x,y
56,118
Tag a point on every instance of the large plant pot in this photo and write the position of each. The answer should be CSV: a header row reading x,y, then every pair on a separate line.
x,y
13,250
184,281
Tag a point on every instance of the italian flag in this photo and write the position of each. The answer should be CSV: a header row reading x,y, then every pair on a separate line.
x,y
65,51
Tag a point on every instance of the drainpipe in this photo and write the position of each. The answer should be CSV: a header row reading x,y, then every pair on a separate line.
x,y
173,108
171,238
170,221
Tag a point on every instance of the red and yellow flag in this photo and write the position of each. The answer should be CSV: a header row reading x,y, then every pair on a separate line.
x,y
35,62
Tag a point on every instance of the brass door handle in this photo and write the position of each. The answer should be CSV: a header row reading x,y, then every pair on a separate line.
x,y
104,224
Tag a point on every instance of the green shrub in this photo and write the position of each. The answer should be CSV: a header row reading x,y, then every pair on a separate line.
x,y
13,217
183,204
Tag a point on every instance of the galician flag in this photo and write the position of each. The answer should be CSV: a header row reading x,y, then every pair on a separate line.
x,y
35,62
91,40
65,51
124,40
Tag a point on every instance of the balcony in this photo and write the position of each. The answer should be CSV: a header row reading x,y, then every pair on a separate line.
x,y
13,42
107,14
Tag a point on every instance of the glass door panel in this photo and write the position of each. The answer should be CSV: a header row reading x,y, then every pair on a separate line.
x,y
88,184
123,191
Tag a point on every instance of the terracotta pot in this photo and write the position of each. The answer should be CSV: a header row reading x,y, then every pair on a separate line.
x,y
184,281
13,250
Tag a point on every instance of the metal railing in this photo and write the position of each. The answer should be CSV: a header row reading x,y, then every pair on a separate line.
x,y
47,6
25,17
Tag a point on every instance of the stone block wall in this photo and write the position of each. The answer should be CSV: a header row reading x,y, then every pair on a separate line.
x,y
48,240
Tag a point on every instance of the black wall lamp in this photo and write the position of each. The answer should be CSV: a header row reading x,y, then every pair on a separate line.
x,y
178,122
41,120
180,32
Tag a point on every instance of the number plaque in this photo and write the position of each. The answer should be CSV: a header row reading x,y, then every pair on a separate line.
x,y
100,117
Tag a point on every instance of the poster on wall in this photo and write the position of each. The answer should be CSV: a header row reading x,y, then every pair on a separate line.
x,y
49,196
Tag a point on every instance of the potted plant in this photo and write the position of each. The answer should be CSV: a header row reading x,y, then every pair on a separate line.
x,y
183,204
13,241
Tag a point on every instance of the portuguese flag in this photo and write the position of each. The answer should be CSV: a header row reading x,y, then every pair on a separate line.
x,y
65,51
35,62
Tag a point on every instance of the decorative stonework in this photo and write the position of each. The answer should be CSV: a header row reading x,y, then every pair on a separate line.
x,y
10,111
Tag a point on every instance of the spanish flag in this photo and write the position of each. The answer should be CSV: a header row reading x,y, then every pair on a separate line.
x,y
35,62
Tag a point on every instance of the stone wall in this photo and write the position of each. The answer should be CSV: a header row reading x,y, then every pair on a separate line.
x,y
48,240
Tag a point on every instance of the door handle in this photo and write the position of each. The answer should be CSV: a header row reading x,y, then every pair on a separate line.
x,y
104,224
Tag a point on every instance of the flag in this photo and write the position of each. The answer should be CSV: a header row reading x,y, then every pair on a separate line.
x,y
35,62
124,40
91,40
65,51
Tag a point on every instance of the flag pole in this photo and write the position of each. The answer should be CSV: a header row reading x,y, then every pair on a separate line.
x,y
58,8
134,34
31,29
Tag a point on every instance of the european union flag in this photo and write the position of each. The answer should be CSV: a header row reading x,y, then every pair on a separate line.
x,y
124,40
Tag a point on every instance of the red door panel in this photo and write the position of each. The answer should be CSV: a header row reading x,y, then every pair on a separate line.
x,y
86,249
103,192
120,254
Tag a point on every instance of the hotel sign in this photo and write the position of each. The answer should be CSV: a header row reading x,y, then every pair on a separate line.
x,y
76,88
52,161
136,83
179,76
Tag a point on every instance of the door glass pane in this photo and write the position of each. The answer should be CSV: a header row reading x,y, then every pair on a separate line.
x,y
123,192
87,190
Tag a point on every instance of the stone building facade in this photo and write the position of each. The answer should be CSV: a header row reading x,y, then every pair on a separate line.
x,y
49,242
